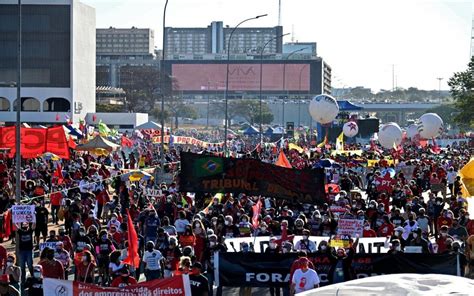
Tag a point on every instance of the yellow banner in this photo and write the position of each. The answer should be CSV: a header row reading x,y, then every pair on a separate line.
x,y
347,152
372,162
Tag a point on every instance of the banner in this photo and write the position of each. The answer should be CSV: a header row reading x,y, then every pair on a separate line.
x,y
35,141
174,286
350,227
203,173
372,162
369,245
23,213
177,140
265,270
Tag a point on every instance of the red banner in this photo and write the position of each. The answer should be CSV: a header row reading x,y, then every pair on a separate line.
x,y
174,286
35,141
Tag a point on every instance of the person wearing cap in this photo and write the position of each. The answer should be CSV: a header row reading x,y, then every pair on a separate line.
x,y
13,271
34,283
199,283
302,275
153,260
442,238
124,279
305,244
395,247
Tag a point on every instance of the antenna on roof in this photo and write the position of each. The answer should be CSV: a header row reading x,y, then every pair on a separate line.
x,y
293,33
279,12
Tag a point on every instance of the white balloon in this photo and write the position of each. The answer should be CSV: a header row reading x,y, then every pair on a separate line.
x,y
390,134
412,131
430,126
323,108
350,129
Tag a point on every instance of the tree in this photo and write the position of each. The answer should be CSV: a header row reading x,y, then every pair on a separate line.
x,y
107,108
176,107
462,87
447,112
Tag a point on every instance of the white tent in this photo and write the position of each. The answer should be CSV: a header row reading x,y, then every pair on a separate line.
x,y
149,125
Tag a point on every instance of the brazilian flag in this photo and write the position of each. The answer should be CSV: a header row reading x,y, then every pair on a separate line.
x,y
208,166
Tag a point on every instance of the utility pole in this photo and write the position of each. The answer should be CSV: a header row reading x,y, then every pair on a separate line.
x,y
393,77
18,127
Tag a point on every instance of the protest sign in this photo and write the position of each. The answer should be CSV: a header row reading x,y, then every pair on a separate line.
x,y
151,192
51,245
175,286
23,213
352,227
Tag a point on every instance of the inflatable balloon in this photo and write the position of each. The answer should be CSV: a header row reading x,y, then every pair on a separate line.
x,y
430,126
323,108
390,134
350,129
412,131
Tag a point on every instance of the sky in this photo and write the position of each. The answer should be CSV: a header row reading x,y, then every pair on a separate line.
x,y
362,40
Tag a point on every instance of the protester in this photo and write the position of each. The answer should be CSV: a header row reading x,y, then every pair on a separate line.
x,y
304,279
34,283
13,271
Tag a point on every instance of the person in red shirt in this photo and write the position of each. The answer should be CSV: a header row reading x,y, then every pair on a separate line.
x,y
470,226
386,229
124,279
85,269
52,268
442,238
3,256
446,219
368,232
56,197
299,262
91,220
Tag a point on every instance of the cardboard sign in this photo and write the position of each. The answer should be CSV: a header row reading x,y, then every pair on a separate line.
x,y
352,227
23,213
150,192
340,241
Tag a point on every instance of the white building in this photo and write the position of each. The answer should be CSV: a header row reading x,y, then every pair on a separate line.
x,y
58,60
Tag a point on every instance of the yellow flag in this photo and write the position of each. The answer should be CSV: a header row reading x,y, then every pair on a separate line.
x,y
296,147
340,142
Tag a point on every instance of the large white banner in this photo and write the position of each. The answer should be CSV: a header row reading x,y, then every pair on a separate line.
x,y
260,243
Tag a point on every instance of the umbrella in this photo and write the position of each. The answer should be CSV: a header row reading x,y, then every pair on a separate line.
x,y
136,175
335,188
50,156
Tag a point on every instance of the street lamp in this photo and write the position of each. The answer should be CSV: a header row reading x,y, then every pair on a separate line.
x,y
18,124
162,146
226,99
261,78
284,88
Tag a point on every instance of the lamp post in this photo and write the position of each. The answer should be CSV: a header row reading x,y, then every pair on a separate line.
x,y
284,88
18,125
162,146
261,78
226,99
208,103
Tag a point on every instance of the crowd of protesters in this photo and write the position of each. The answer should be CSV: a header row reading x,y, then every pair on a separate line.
x,y
83,213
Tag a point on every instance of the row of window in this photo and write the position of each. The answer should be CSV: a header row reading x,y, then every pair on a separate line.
x,y
120,35
34,105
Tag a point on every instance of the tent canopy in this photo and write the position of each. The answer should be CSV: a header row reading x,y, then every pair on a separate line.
x,y
250,131
149,125
98,143
269,131
348,106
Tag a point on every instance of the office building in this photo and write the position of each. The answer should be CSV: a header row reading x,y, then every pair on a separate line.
x,y
119,50
58,60
472,38
301,47
128,42
213,39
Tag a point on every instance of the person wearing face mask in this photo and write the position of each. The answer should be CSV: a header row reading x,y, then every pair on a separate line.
x,y
152,222
171,257
52,268
113,221
395,247
446,219
85,270
417,240
187,238
341,264
200,234
103,249
13,271
62,256
457,231
91,220
245,228
386,228
153,262
314,223
34,284
181,223
305,244
409,226
273,247
263,229
124,279
214,247
25,245
230,230
170,229
81,239
368,232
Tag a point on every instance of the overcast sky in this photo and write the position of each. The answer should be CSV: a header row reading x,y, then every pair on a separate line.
x,y
360,39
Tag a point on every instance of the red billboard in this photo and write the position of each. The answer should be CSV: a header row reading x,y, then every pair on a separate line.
x,y
242,77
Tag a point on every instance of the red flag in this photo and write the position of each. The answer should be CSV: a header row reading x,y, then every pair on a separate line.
x,y
94,118
283,161
132,253
256,208
126,142
57,117
71,143
284,236
59,174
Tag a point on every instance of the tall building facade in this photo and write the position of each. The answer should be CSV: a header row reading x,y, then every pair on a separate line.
x,y
129,42
472,38
58,60
120,48
213,39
